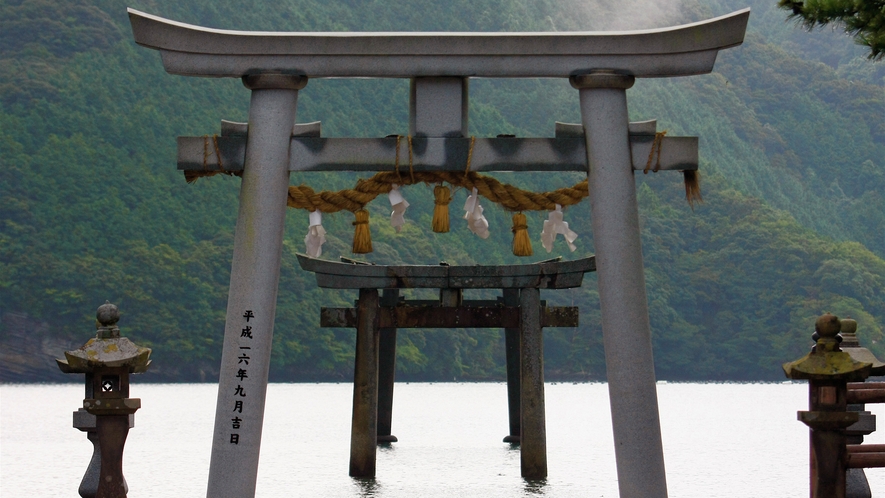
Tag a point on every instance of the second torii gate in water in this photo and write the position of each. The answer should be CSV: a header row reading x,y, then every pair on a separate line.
x,y
600,65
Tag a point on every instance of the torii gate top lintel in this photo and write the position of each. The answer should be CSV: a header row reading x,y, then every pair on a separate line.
x,y
674,51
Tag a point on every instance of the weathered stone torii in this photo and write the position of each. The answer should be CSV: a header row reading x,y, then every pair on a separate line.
x,y
601,65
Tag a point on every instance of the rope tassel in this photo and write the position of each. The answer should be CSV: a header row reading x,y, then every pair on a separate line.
x,y
442,197
362,237
692,181
522,245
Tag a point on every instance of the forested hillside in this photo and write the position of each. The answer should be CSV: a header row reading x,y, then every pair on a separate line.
x,y
93,209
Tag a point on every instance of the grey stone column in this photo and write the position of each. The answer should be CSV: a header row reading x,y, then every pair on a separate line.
x,y
533,425
255,273
623,301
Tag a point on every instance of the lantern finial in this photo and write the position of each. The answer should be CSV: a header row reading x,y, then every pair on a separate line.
x,y
851,345
826,333
107,314
106,318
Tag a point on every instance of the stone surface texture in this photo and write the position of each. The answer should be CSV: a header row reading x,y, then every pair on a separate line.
x,y
434,154
622,295
233,468
677,51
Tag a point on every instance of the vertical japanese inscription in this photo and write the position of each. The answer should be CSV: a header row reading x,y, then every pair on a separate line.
x,y
242,374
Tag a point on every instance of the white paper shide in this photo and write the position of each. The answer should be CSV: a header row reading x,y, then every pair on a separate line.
x,y
476,222
553,226
316,235
399,204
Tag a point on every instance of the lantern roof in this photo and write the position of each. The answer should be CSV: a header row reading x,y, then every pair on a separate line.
x,y
107,349
827,361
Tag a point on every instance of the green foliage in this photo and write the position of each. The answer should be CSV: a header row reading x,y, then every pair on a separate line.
x,y
37,36
862,19
792,143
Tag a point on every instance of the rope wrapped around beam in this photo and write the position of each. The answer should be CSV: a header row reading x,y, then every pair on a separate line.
x,y
510,197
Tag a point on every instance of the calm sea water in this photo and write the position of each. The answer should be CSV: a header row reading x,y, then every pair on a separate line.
x,y
720,440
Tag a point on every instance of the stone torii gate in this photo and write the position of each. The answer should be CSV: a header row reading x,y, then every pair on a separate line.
x,y
600,65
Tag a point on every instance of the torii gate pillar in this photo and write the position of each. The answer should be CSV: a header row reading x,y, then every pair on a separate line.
x,y
622,298
254,278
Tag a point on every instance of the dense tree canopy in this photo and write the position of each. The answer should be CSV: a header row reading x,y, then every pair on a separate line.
x,y
792,147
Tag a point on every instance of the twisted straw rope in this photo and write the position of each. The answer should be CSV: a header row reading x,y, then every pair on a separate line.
x,y
510,197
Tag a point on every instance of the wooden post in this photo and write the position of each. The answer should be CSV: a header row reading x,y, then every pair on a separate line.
x,y
364,424
533,437
112,431
827,418
511,344
386,372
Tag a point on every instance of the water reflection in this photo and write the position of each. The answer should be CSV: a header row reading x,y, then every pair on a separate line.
x,y
367,486
535,487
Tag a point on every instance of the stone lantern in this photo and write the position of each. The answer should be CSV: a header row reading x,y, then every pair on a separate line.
x,y
828,370
108,411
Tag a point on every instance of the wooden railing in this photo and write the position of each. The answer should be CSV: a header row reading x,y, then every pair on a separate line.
x,y
861,456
